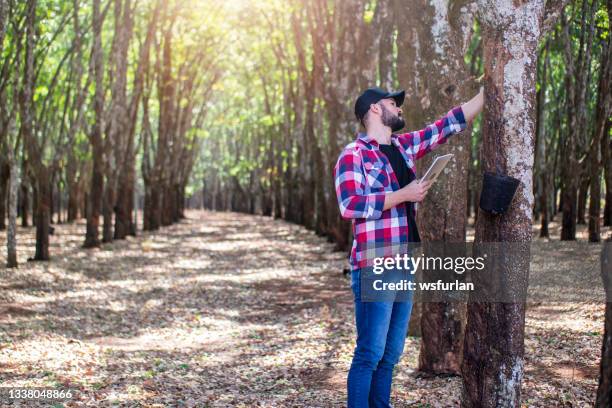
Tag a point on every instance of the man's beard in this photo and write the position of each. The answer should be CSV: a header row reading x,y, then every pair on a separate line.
x,y
395,122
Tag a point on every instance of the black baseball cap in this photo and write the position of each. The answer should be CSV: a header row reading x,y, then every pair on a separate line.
x,y
373,95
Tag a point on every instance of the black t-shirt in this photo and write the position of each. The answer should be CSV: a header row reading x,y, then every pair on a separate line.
x,y
404,177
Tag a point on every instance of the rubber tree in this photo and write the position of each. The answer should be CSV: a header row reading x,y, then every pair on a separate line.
x,y
441,34
96,140
604,390
493,347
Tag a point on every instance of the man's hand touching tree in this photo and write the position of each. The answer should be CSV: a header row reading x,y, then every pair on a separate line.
x,y
473,107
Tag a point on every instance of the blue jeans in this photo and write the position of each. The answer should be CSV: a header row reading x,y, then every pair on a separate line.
x,y
381,333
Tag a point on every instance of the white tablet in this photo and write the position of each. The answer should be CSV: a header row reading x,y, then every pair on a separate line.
x,y
436,167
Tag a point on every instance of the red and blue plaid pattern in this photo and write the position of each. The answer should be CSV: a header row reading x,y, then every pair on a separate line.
x,y
363,176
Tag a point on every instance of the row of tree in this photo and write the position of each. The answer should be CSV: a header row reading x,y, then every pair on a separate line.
x,y
89,90
546,122
310,60
255,99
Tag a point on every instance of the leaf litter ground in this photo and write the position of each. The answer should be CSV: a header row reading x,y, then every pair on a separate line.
x,y
234,310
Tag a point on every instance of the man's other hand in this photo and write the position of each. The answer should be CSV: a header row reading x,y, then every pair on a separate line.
x,y
416,191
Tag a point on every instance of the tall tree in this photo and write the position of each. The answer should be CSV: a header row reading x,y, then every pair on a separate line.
x,y
441,34
34,146
604,391
493,348
606,154
117,121
96,187
10,138
603,111
542,173
124,224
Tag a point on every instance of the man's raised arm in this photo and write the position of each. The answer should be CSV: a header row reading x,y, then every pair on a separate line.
x,y
421,142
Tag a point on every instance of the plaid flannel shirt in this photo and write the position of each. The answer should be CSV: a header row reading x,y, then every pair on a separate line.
x,y
363,176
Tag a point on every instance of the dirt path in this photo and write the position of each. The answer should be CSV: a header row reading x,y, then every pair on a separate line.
x,y
231,310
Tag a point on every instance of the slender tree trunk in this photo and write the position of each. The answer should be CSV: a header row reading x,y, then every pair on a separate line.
x,y
582,198
542,171
277,182
96,188
544,233
52,198
125,204
152,211
600,138
443,84
606,150
493,349
604,391
35,155
4,188
24,196
59,203
73,202
309,187
34,203
108,200
11,233
43,216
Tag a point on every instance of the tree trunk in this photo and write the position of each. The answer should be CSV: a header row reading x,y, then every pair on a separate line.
x,y
603,111
540,159
52,198
34,149
443,216
11,233
24,203
4,186
414,326
604,391
59,203
73,202
96,189
582,198
606,152
108,200
544,233
125,204
43,216
493,349
152,210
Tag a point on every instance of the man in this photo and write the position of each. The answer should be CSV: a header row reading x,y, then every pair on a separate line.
x,y
376,188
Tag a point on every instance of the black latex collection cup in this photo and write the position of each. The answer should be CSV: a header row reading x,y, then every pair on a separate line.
x,y
497,192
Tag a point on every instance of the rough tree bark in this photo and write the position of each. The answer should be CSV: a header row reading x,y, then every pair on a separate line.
x,y
603,111
604,391
343,69
441,34
542,172
407,36
13,186
4,180
34,148
118,122
493,349
96,188
24,196
124,223
606,149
